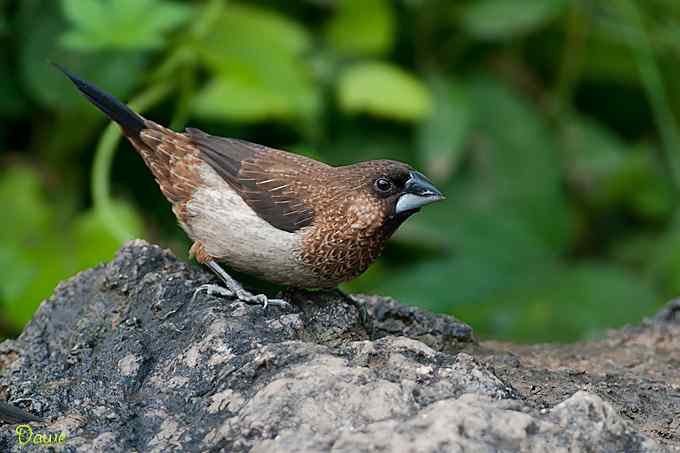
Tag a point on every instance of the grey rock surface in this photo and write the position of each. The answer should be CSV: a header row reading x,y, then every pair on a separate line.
x,y
120,359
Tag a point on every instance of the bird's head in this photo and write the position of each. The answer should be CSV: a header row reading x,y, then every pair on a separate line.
x,y
393,189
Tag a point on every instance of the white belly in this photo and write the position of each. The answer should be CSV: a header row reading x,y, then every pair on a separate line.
x,y
231,232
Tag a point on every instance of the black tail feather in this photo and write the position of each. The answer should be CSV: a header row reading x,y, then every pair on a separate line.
x,y
131,123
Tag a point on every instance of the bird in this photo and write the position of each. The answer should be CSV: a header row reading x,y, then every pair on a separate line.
x,y
282,217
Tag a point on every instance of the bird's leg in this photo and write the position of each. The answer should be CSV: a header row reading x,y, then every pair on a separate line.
x,y
233,288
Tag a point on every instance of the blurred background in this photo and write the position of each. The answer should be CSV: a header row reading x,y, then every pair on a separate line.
x,y
550,124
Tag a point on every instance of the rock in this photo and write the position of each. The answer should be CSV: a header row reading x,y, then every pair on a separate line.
x,y
120,359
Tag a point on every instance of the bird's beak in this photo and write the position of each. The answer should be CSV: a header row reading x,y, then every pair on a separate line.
x,y
418,191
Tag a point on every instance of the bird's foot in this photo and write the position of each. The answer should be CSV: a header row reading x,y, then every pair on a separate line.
x,y
212,290
259,299
240,294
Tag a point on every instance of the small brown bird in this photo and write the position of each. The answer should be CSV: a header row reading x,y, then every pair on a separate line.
x,y
282,217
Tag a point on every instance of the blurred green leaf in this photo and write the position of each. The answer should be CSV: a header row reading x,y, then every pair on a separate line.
x,y
639,185
441,138
609,173
561,303
499,19
258,30
249,97
593,156
502,229
608,59
384,90
121,24
38,250
517,155
259,76
27,244
489,254
41,27
356,144
361,27
663,262
14,103
652,81
94,240
21,194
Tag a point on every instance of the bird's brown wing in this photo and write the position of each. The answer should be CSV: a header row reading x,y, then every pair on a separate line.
x,y
274,183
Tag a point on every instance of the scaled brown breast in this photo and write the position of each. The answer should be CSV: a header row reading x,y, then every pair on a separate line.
x,y
351,226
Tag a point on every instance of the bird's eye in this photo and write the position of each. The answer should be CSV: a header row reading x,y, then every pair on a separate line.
x,y
383,184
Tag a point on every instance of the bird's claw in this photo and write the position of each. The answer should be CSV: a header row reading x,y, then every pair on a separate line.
x,y
278,303
242,295
211,290
260,299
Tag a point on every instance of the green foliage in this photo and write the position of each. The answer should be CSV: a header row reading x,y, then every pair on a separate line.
x,y
550,125
41,246
40,27
383,90
260,75
121,24
441,137
499,19
362,27
556,304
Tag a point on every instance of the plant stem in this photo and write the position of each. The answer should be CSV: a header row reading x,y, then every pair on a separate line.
x,y
654,88
577,28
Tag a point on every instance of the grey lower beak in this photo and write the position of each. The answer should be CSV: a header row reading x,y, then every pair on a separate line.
x,y
418,192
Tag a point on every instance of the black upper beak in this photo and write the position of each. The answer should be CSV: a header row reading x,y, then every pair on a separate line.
x,y
418,191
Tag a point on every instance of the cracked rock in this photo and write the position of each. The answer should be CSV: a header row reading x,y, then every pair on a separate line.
x,y
120,359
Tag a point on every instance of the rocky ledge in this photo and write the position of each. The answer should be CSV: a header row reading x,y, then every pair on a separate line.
x,y
120,359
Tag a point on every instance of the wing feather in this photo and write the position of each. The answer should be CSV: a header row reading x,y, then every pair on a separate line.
x,y
270,181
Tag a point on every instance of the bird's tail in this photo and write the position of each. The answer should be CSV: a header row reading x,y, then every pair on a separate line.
x,y
130,122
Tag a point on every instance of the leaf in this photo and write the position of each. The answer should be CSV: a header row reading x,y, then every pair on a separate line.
x,y
85,13
499,19
593,156
253,93
14,101
506,219
356,144
384,90
362,27
121,24
520,166
663,262
441,138
478,268
38,249
610,174
41,27
30,255
641,185
242,29
261,75
564,304
242,100
94,241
